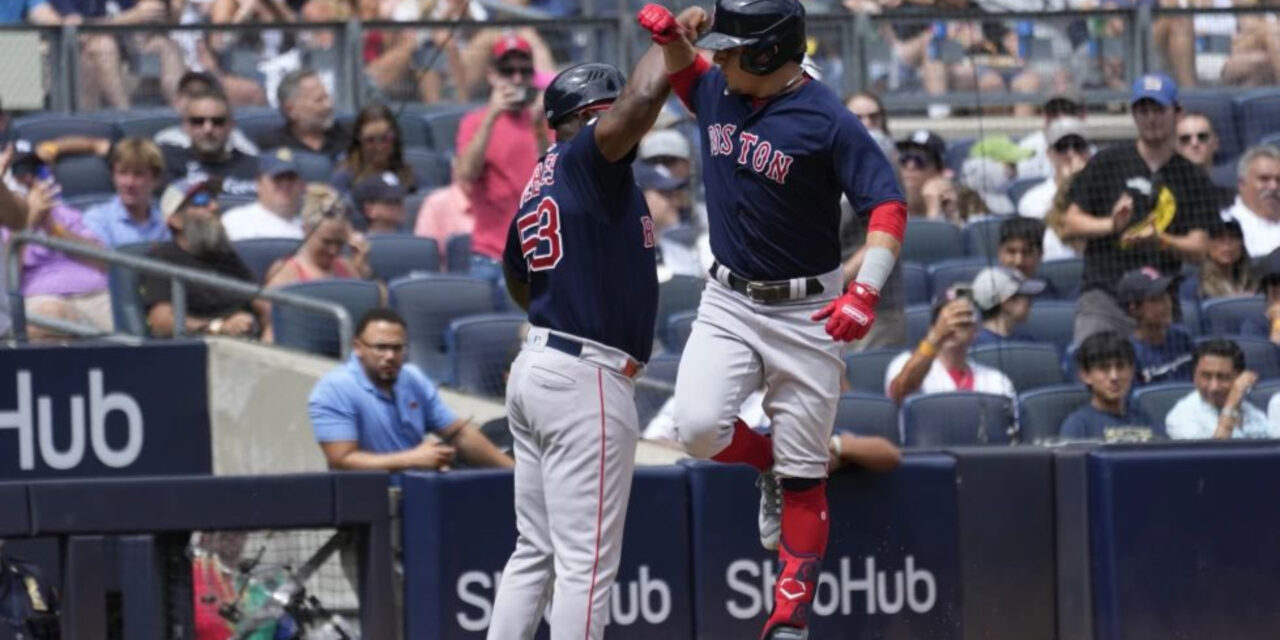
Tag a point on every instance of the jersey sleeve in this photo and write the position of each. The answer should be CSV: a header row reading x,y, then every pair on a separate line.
x,y
593,176
861,167
512,256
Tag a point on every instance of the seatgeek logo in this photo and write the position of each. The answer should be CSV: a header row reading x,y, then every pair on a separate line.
x,y
34,418
840,592
646,599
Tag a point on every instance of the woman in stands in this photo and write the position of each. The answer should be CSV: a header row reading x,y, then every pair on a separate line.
x,y
375,148
328,235
1227,270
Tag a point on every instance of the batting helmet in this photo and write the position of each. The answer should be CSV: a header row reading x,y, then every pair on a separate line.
x,y
771,30
581,86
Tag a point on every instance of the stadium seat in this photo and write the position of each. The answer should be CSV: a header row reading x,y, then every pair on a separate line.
x,y
443,123
458,253
1021,186
1051,321
867,415
394,256
315,332
314,167
919,317
680,293
957,418
126,305
1223,316
432,166
1256,117
1064,274
958,152
655,386
412,207
80,175
1156,400
982,237
146,125
679,326
260,253
227,201
915,282
1262,392
663,368
865,370
86,201
429,303
260,125
1189,289
1221,110
1041,411
38,128
1260,355
1028,365
954,271
930,241
1192,318
481,349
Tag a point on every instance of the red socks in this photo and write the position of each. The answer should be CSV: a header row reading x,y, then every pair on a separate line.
x,y
805,525
747,447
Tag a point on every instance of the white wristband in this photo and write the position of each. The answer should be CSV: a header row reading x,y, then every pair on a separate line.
x,y
876,266
836,445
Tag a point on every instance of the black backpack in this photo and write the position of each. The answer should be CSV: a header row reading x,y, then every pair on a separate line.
x,y
28,605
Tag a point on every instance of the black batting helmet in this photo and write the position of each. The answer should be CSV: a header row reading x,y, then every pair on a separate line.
x,y
581,86
771,30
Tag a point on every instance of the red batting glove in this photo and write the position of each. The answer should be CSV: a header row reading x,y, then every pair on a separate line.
x,y
850,316
660,23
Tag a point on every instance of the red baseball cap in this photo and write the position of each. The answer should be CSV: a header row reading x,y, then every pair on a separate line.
x,y
510,43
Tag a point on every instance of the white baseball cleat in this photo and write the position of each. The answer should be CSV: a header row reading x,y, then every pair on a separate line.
x,y
770,510
788,633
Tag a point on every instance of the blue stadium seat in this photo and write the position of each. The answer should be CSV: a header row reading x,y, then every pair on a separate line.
x,y
915,282
80,175
126,305
1189,289
1223,316
86,201
929,241
443,122
433,167
1051,321
680,293
867,415
1028,365
679,326
1192,318
982,237
1021,186
958,152
429,303
1256,117
654,387
1260,355
663,368
1064,274
865,370
458,253
1041,411
1156,400
919,317
260,253
1221,110
956,270
315,332
259,126
481,349
312,167
146,125
394,256
957,418
39,128
412,207
1262,392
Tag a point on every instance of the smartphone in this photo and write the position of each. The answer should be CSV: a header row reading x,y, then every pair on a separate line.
x,y
964,292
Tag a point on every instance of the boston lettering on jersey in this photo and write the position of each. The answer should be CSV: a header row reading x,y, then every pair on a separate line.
x,y
764,159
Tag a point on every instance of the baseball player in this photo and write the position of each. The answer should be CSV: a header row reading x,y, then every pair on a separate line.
x,y
580,258
778,151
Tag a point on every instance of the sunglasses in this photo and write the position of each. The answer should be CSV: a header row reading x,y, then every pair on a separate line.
x,y
911,160
1071,143
507,70
1202,137
200,121
201,199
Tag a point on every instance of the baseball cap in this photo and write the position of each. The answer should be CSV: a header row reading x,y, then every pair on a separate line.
x,y
278,162
384,187
665,143
930,142
994,285
510,43
1001,148
657,177
183,192
1063,127
1157,87
1228,227
1140,284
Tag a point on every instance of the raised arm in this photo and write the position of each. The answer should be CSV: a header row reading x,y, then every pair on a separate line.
x,y
676,37
632,115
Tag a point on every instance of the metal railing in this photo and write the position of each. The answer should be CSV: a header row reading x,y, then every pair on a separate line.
x,y
179,278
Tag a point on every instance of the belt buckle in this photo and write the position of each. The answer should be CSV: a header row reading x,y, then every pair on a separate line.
x,y
755,291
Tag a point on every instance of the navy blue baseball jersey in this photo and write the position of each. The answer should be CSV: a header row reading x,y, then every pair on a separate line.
x,y
583,240
774,175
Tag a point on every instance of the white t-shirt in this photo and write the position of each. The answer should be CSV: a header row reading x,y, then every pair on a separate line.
x,y
254,221
985,379
1192,418
1261,236
1035,203
1038,164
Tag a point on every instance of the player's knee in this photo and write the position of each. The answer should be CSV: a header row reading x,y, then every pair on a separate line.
x,y
701,430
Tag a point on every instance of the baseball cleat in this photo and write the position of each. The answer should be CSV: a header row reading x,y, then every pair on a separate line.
x,y
788,633
770,510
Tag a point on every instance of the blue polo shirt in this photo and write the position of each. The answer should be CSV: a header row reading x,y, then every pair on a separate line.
x,y
345,405
111,222
15,11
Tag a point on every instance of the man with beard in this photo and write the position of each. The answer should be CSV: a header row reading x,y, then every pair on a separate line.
x,y
200,242
308,117
1257,208
207,121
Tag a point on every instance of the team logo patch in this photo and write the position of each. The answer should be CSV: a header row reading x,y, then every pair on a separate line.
x,y
540,240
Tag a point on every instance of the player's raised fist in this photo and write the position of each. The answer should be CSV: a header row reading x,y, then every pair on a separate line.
x,y
850,316
694,20
660,23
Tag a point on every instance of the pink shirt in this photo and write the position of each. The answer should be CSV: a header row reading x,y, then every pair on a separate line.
x,y
508,162
445,212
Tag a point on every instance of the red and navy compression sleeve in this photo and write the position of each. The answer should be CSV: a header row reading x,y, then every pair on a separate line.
x,y
684,80
889,217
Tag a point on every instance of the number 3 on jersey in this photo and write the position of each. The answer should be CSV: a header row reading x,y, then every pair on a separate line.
x,y
540,236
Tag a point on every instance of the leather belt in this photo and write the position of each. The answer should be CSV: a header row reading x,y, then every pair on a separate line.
x,y
767,292
574,348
